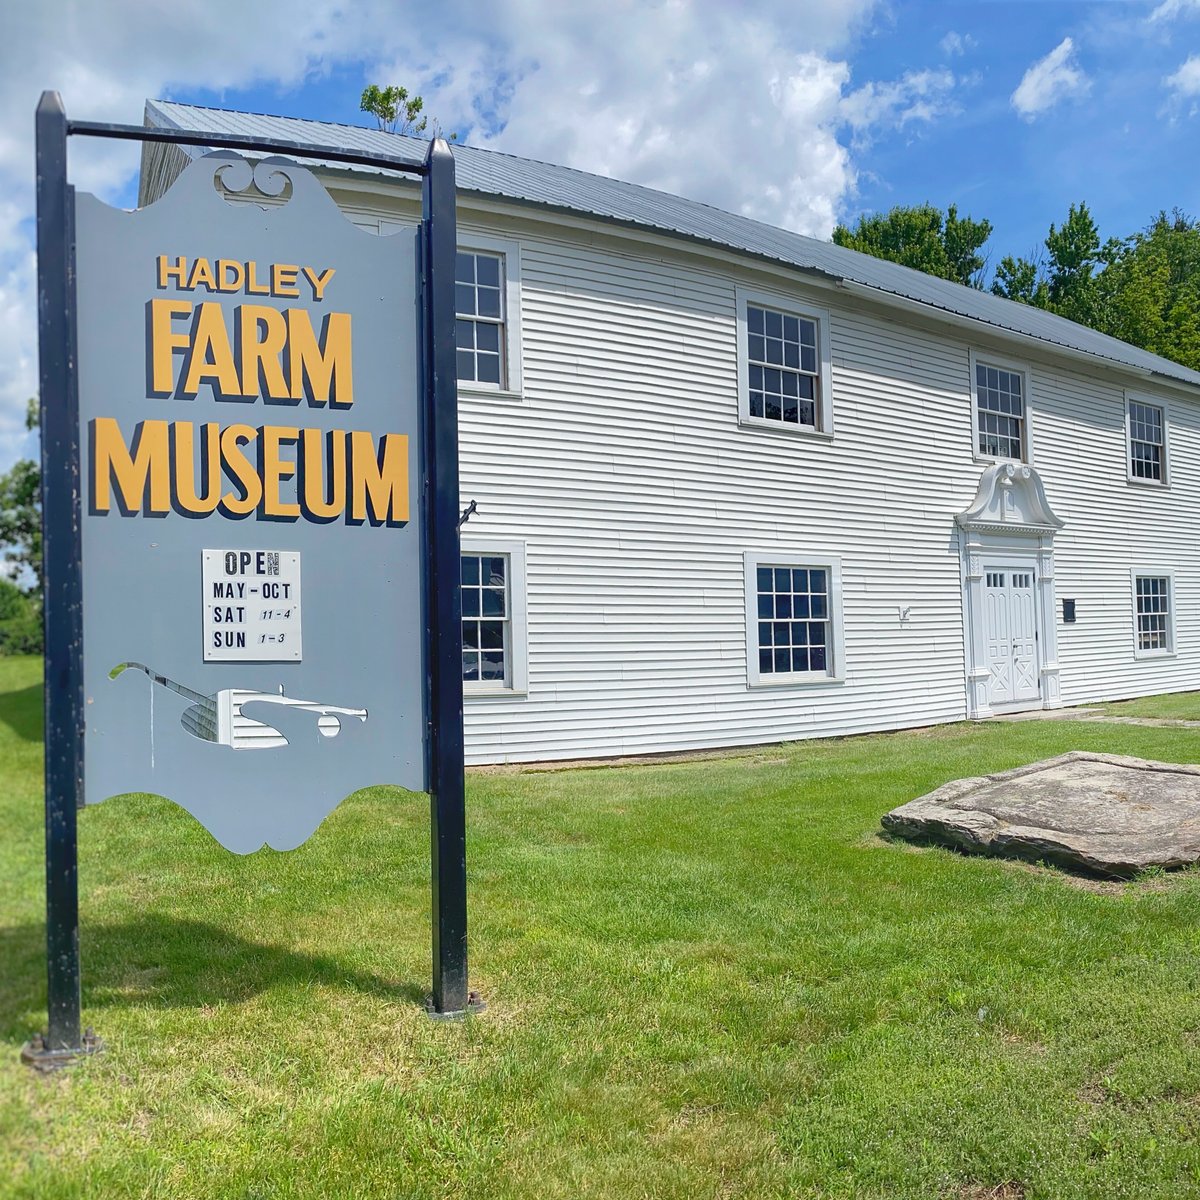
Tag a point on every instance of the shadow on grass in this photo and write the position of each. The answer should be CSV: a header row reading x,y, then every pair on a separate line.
x,y
21,711
168,962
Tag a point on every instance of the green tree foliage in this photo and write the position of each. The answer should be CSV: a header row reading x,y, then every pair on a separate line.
x,y
1021,279
21,514
1144,290
1151,289
1066,281
20,621
398,112
924,238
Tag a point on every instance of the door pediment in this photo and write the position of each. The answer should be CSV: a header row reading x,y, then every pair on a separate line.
x,y
1010,499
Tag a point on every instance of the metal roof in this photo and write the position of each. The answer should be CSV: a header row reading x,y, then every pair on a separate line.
x,y
490,173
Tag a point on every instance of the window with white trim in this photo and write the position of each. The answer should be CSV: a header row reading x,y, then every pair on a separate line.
x,y
493,616
487,308
783,365
1000,406
1147,429
793,619
1154,614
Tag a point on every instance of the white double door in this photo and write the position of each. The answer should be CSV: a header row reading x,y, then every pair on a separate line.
x,y
1010,614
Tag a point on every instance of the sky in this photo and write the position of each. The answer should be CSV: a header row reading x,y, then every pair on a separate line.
x,y
800,113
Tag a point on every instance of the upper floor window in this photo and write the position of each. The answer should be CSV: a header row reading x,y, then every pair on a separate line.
x,y
783,365
1147,429
1001,418
487,307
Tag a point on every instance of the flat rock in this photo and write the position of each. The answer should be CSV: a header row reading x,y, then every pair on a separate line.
x,y
1104,814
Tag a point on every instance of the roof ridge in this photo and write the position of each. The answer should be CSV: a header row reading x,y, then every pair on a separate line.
x,y
158,102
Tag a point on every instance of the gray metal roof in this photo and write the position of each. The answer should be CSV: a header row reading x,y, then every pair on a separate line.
x,y
526,181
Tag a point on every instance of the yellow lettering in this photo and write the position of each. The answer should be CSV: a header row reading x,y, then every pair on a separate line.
x,y
147,463
379,482
253,287
164,341
319,282
183,441
175,271
241,469
262,355
313,469
230,274
276,469
283,280
202,274
212,356
327,366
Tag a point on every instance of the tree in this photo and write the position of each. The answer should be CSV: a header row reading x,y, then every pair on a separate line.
x,y
21,537
20,621
1021,279
398,112
1150,289
21,513
921,237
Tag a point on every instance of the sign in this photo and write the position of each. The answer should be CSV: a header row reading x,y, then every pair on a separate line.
x,y
252,606
249,401
236,381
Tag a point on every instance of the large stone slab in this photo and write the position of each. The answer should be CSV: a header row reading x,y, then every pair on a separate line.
x,y
1105,814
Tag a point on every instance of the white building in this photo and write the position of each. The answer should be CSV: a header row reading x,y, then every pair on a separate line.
x,y
737,486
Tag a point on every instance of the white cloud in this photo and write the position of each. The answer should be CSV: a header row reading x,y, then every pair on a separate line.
x,y
1186,81
1051,79
1168,10
954,44
1184,86
750,110
916,96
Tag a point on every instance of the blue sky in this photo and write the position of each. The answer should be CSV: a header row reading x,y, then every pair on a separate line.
x,y
797,112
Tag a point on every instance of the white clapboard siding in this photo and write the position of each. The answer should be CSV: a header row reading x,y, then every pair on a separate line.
x,y
626,474
636,493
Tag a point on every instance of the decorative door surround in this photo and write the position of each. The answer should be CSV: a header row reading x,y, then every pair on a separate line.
x,y
1011,519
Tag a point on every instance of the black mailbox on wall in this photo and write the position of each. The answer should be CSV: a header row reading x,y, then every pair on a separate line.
x,y
1068,612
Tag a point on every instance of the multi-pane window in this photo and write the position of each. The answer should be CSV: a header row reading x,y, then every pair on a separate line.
x,y
1147,445
793,620
783,366
1153,612
1000,410
486,619
479,305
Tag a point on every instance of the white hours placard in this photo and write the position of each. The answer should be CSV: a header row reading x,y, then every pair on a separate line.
x,y
251,605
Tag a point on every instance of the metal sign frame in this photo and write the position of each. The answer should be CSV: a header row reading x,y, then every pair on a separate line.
x,y
64,1040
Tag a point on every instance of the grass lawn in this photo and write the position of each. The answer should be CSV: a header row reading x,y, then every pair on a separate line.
x,y
1178,706
707,979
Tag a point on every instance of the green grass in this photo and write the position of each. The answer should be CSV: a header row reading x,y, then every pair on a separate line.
x,y
1177,706
707,979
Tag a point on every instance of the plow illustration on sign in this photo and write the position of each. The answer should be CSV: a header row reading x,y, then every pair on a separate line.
x,y
220,718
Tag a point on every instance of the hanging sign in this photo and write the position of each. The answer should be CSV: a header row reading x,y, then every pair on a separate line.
x,y
253,579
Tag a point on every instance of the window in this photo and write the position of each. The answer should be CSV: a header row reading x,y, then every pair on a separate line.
x,y
487,306
1001,417
1147,428
493,616
1154,614
793,619
783,365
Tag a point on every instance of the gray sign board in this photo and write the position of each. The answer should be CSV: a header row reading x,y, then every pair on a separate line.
x,y
253,581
